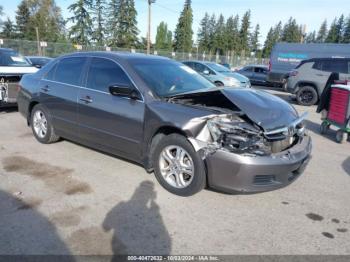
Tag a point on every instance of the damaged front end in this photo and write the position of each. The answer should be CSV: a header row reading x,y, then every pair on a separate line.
x,y
235,134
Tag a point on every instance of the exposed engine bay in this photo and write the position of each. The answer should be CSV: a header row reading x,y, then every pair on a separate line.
x,y
232,130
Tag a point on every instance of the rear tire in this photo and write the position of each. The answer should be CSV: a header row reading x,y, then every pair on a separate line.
x,y
307,96
165,168
41,124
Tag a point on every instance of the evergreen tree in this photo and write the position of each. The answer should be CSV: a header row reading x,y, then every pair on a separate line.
x,y
183,33
346,36
232,33
311,37
163,37
332,33
99,21
203,36
23,19
122,24
291,32
8,29
81,31
220,36
340,29
322,33
1,13
244,32
273,37
212,31
254,39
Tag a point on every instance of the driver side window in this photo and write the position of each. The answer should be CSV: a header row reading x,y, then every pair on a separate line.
x,y
104,73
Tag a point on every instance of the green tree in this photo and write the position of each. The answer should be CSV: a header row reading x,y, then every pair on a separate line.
x,y
346,36
203,36
244,32
291,32
212,32
8,29
220,41
46,16
332,35
99,10
311,37
183,32
322,32
232,33
274,36
340,29
122,23
81,31
23,19
254,39
163,37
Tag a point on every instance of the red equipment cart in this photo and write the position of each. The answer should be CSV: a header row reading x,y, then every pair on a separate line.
x,y
339,112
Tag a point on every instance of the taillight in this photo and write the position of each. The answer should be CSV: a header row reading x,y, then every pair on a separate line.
x,y
19,87
293,73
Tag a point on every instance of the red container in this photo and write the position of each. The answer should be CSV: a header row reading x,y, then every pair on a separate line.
x,y
339,106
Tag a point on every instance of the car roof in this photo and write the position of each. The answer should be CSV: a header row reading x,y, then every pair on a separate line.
x,y
6,50
117,55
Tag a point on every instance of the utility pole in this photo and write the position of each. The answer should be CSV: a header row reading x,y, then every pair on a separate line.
x,y
150,2
38,40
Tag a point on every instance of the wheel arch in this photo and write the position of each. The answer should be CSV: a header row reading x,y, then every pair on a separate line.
x,y
301,84
156,136
30,108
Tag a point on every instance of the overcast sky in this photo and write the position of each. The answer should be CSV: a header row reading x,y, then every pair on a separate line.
x,y
264,12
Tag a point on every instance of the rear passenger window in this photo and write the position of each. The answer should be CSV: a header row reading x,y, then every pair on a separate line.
x,y
338,66
104,73
318,65
69,70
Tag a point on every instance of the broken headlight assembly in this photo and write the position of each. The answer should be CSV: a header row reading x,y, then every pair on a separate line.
x,y
238,136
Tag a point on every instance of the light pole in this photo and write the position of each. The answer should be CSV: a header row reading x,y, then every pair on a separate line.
x,y
150,2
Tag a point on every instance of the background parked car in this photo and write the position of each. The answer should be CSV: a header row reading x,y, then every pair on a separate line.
x,y
286,56
257,74
38,61
309,79
12,67
219,74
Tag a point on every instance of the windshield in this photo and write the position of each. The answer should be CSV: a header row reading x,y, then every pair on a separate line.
x,y
168,78
218,68
12,58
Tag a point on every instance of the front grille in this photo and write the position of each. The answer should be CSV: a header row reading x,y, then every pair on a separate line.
x,y
263,180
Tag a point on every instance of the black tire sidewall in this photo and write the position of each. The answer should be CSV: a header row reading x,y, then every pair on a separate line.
x,y
307,88
219,84
46,138
199,179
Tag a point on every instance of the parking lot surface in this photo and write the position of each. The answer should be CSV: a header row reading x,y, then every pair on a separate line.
x,y
64,198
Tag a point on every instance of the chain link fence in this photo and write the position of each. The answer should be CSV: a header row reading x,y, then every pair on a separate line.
x,y
31,48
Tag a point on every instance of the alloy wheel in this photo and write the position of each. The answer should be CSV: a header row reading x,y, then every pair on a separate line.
x,y
176,166
40,124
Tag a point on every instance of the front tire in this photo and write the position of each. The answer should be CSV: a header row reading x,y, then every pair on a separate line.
x,y
178,167
307,96
41,124
340,136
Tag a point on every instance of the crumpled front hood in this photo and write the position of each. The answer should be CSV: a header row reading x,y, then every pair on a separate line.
x,y
237,76
268,111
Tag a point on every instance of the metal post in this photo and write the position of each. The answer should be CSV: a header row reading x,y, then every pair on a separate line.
x,y
150,2
38,40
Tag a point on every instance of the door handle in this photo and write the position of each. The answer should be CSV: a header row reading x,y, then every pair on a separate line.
x,y
86,99
320,74
45,88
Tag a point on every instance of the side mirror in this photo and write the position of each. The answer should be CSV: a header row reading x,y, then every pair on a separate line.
x,y
124,91
206,72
